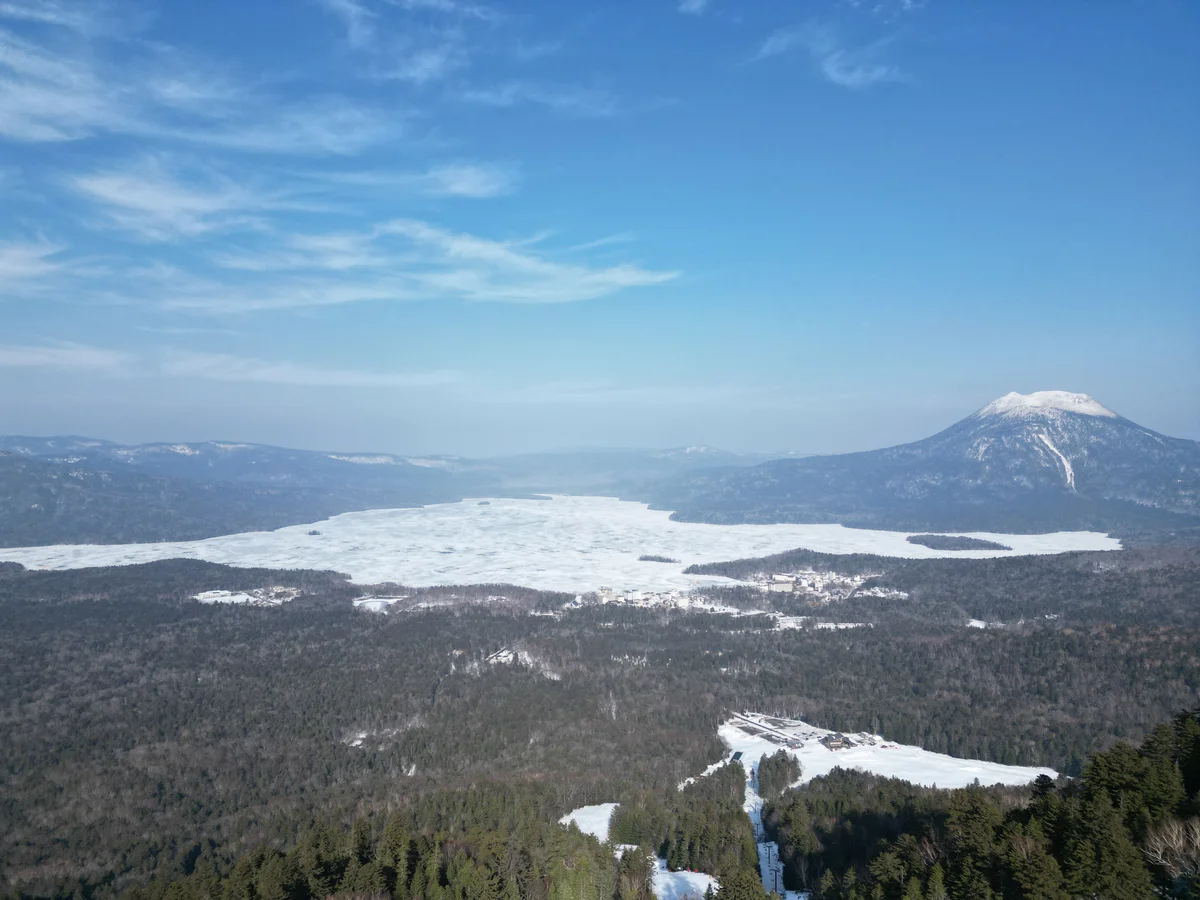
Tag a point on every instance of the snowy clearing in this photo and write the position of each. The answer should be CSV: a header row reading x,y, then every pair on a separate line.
x,y
566,543
591,820
670,885
820,752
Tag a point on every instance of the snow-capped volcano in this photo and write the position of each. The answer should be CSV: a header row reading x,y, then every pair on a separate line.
x,y
1045,403
1032,462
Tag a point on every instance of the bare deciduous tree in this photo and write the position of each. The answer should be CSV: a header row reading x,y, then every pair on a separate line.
x,y
1175,846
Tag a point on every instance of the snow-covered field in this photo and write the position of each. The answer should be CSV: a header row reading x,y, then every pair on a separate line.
x,y
567,543
870,753
591,820
670,885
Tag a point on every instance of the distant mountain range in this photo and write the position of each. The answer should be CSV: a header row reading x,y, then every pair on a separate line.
x,y
83,490
1037,462
1050,460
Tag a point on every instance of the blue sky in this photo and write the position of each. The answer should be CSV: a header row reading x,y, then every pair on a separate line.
x,y
460,227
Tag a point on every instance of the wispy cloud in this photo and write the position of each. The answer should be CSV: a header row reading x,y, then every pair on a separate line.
x,y
849,67
84,18
398,260
158,201
886,10
452,7
420,42
51,95
475,180
693,7
623,237
574,100
64,356
467,180
44,97
226,367
422,64
26,260
358,19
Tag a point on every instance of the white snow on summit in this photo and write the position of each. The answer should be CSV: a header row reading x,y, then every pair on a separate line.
x,y
1039,402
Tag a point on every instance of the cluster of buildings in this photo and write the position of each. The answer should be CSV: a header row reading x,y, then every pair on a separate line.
x,y
268,596
825,587
631,597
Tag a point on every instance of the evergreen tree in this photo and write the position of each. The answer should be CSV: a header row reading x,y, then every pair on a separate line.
x,y
1100,859
936,889
741,885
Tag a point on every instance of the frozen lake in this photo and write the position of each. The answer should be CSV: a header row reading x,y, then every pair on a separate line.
x,y
565,543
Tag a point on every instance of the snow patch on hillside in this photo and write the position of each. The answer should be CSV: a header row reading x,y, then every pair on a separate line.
x,y
1068,472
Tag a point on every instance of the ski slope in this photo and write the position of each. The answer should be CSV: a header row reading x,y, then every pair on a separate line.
x,y
564,543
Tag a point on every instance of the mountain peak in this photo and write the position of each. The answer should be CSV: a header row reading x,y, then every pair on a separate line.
x,y
1043,402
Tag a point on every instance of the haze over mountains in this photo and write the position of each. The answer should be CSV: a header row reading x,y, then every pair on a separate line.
x,y
1046,461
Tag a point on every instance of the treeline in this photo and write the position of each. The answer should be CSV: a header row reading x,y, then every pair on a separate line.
x,y
1126,830
701,828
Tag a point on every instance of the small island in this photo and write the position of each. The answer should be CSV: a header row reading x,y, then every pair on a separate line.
x,y
954,542
651,557
484,503
313,533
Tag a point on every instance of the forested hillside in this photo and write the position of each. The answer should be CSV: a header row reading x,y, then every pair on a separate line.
x,y
50,502
148,735
1126,830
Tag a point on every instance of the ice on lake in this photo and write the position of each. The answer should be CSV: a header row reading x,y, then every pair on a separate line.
x,y
564,543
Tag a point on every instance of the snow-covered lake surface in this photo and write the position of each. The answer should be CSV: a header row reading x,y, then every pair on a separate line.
x,y
565,543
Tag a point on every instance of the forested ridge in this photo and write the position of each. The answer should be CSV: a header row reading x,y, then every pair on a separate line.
x,y
1127,829
148,736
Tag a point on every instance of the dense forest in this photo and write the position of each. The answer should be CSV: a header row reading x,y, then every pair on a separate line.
x,y
1127,587
148,736
701,827
1125,830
